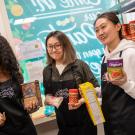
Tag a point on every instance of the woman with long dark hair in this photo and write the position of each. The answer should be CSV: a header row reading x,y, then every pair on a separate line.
x,y
14,119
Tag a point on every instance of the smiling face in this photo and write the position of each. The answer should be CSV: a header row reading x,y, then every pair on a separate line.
x,y
106,31
55,49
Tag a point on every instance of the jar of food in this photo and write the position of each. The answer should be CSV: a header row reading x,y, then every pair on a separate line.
x,y
125,30
132,29
73,96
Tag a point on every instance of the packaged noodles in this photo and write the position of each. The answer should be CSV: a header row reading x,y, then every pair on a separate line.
x,y
93,106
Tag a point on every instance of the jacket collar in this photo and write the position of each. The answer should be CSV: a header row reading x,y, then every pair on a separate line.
x,y
68,67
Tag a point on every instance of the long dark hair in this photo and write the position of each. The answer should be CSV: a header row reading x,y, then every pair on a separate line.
x,y
69,52
112,16
8,61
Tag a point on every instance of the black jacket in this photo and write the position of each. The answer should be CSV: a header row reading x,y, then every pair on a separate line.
x,y
80,69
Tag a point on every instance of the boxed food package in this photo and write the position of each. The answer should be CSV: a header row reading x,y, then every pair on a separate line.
x,y
88,92
31,92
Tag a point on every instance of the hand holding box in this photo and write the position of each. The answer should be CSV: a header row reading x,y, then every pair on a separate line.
x,y
31,96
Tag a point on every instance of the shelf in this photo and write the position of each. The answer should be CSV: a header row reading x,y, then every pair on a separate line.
x,y
39,117
124,7
43,120
127,7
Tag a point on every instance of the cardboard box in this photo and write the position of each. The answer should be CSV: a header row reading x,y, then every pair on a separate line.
x,y
93,106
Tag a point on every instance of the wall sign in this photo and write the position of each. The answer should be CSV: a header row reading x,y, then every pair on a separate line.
x,y
34,19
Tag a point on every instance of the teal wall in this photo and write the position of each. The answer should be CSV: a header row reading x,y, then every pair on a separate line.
x,y
34,19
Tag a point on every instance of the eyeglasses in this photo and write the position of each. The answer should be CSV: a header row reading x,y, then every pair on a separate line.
x,y
55,46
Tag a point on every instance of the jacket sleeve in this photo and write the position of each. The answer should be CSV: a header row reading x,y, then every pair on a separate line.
x,y
88,75
129,62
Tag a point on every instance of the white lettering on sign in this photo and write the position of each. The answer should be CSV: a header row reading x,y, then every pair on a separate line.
x,y
90,53
43,5
86,32
91,16
74,3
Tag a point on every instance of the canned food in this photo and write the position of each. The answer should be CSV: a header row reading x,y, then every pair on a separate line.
x,y
73,96
114,68
125,30
132,27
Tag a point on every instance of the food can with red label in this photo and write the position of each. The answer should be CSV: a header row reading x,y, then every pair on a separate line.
x,y
73,96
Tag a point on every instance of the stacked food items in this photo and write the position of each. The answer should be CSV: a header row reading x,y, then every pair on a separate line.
x,y
128,30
